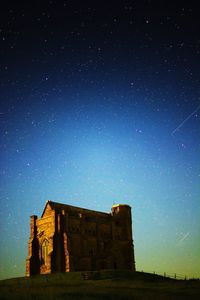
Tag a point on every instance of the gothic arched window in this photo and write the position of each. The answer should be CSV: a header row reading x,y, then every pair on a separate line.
x,y
44,251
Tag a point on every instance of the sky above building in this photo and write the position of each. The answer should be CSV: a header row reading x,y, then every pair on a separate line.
x,y
100,104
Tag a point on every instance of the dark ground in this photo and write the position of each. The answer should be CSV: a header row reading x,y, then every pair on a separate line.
x,y
105,285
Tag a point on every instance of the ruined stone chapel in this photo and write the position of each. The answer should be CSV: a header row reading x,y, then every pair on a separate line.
x,y
68,238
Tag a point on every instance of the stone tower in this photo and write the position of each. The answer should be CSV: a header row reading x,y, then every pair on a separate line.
x,y
68,238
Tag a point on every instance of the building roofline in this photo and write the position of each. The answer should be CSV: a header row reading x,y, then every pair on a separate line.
x,y
57,205
117,205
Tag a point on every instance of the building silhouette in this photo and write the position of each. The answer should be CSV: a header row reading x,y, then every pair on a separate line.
x,y
68,238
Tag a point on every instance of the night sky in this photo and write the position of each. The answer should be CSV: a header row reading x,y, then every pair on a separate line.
x,y
100,104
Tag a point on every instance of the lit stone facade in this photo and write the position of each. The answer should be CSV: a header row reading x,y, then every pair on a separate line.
x,y
68,238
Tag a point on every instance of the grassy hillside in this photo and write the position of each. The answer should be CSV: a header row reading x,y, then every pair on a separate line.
x,y
105,285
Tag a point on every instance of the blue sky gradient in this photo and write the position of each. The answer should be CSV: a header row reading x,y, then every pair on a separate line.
x,y
88,118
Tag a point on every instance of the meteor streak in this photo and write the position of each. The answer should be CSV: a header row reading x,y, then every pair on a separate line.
x,y
184,121
183,238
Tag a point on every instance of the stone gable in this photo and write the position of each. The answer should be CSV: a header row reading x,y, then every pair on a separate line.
x,y
68,238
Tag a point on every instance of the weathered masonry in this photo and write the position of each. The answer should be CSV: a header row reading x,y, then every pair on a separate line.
x,y
68,238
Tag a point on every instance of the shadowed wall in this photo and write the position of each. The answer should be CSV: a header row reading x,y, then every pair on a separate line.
x,y
68,238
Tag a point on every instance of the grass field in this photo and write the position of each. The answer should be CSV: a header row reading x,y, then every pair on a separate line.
x,y
105,285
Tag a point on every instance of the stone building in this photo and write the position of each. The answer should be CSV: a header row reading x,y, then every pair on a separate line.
x,y
68,238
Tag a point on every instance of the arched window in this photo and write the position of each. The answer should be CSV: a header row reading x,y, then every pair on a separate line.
x,y
44,252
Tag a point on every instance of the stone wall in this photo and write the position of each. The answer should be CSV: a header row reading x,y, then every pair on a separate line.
x,y
68,238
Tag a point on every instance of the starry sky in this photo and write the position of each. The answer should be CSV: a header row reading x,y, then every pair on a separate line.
x,y
100,104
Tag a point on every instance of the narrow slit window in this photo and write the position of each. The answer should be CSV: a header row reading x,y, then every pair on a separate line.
x,y
44,251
